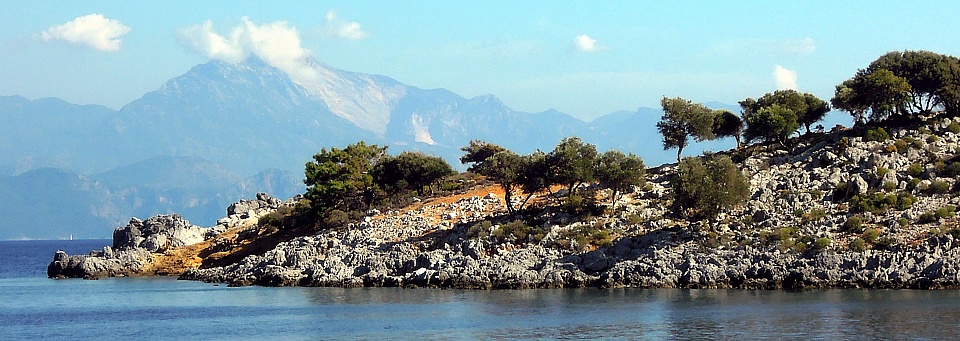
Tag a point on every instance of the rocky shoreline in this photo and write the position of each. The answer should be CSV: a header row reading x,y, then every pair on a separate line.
x,y
798,197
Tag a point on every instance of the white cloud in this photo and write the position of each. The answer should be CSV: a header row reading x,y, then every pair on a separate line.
x,y
93,30
785,79
276,43
584,43
334,26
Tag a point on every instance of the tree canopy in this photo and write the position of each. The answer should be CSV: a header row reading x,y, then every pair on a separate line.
x,y
901,84
340,178
727,124
413,170
618,172
682,120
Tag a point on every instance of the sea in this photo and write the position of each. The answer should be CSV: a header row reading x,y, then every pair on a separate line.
x,y
35,307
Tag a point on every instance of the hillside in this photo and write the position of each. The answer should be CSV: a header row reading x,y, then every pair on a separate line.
x,y
797,230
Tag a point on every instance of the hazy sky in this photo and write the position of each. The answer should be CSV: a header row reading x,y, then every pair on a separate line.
x,y
584,58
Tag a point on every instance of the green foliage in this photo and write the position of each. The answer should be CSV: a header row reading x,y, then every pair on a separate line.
x,y
858,245
876,134
889,186
477,154
843,144
336,219
682,120
822,243
479,230
727,124
853,224
946,211
927,217
871,235
572,163
772,124
619,172
413,170
954,127
915,170
879,202
813,215
586,235
506,169
514,231
704,188
340,178
903,222
938,187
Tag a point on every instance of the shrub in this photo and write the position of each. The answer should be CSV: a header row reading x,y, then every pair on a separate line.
x,y
634,219
876,134
336,219
516,230
870,235
913,183
927,217
938,187
946,211
822,243
951,170
915,170
704,188
891,148
903,222
889,186
853,224
843,144
480,230
954,127
878,202
814,215
932,139
858,245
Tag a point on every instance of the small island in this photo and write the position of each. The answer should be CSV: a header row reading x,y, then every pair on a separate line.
x,y
793,206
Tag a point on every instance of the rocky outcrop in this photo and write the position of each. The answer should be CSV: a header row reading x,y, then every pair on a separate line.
x,y
157,234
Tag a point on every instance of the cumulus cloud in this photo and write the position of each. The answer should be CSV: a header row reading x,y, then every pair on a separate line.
x,y
276,43
584,43
785,79
93,30
334,26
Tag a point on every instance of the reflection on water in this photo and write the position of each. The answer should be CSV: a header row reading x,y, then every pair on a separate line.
x,y
33,307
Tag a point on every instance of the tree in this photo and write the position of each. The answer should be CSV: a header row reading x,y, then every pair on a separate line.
x,y
683,119
477,153
873,96
506,169
618,172
411,170
773,123
816,109
901,84
572,163
726,123
703,188
340,178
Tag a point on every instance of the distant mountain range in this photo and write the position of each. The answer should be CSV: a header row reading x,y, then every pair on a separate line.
x,y
222,132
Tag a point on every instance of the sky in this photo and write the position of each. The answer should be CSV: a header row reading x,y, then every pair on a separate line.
x,y
584,58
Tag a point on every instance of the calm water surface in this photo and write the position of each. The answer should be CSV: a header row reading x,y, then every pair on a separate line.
x,y
33,307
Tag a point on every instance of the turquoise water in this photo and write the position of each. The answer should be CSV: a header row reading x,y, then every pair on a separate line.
x,y
33,307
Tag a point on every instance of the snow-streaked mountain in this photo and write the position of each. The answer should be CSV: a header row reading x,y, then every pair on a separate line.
x,y
185,146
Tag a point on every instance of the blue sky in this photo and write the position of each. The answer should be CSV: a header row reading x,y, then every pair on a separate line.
x,y
584,58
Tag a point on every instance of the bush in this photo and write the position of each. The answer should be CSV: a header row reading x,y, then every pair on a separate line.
x,y
889,186
878,202
951,170
946,211
858,245
938,187
813,215
822,243
915,170
876,134
704,188
954,127
870,235
853,224
480,230
903,222
927,217
336,219
515,230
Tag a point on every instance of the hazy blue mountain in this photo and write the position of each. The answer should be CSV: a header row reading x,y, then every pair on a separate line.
x,y
221,132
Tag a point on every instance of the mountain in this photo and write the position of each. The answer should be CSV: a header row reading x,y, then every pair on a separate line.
x,y
224,131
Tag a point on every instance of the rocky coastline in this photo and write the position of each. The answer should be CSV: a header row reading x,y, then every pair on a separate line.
x,y
798,197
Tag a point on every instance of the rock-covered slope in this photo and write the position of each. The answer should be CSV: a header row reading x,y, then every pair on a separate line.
x,y
797,230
